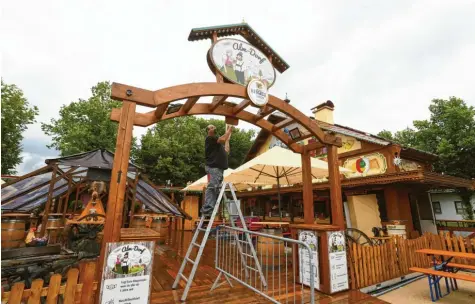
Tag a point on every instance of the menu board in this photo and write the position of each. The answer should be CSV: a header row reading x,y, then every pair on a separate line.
x,y
338,262
127,272
309,238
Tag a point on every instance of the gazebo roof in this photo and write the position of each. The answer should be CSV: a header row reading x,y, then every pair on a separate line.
x,y
99,159
246,31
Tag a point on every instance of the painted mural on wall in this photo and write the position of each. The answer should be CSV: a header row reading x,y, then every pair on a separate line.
x,y
239,62
365,165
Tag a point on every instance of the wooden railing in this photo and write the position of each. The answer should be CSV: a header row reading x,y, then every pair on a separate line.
x,y
79,288
370,265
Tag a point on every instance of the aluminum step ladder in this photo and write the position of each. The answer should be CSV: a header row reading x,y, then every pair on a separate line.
x,y
201,246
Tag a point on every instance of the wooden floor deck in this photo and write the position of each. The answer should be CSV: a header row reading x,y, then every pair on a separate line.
x,y
168,258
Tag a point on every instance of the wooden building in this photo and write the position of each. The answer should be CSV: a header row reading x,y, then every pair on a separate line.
x,y
389,182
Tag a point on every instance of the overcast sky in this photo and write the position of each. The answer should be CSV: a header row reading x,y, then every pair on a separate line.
x,y
380,62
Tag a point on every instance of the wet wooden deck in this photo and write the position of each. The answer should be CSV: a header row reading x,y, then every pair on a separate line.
x,y
168,258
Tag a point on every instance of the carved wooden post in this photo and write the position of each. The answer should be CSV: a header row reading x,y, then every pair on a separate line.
x,y
307,192
335,187
115,201
48,202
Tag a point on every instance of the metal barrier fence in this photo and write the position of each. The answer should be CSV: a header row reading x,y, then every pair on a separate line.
x,y
274,257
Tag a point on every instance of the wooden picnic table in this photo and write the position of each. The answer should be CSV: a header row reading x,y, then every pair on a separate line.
x,y
444,269
451,254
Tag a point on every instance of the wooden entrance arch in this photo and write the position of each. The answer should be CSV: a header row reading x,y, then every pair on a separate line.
x,y
191,93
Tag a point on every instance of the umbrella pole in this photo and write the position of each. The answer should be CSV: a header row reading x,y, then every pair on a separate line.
x,y
278,198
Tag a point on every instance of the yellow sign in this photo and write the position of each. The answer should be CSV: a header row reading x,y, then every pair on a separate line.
x,y
365,165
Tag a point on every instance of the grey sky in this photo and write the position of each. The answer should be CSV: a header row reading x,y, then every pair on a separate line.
x,y
380,62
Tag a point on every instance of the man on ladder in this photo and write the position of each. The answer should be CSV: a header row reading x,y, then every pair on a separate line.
x,y
216,154
216,163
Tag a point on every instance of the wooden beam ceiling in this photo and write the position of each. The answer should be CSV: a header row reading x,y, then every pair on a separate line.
x,y
283,124
189,104
217,101
241,106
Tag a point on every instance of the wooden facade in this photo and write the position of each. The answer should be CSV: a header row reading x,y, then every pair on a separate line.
x,y
395,184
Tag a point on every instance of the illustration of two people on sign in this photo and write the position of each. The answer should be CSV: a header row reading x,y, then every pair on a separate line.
x,y
234,68
122,263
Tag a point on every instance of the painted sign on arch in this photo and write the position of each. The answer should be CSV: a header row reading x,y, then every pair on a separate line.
x,y
239,62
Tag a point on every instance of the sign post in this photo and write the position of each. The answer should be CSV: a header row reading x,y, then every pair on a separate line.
x,y
126,276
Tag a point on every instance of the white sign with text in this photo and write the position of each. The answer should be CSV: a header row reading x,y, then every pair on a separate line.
x,y
338,263
309,238
126,274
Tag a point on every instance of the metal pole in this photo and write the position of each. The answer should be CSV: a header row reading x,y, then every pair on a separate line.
x,y
278,197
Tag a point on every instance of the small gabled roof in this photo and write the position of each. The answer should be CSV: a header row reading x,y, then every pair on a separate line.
x,y
246,31
99,158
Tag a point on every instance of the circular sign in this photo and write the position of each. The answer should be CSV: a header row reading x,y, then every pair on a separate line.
x,y
257,92
240,62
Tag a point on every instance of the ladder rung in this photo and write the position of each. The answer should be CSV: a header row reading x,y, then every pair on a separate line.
x,y
201,229
249,267
191,261
195,244
184,278
247,255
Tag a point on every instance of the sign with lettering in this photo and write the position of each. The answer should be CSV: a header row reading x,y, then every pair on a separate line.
x,y
338,263
309,238
127,272
257,92
239,62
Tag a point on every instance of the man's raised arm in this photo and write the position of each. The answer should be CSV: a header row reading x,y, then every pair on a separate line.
x,y
225,137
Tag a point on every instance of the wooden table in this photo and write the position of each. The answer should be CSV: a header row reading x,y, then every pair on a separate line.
x,y
270,224
445,266
139,234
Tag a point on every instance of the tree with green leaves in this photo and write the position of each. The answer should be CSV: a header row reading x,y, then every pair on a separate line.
x,y
85,125
17,114
449,133
174,149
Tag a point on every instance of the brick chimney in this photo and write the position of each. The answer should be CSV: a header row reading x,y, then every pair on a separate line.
x,y
324,112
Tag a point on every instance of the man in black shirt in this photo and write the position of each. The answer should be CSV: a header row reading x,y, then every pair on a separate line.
x,y
216,162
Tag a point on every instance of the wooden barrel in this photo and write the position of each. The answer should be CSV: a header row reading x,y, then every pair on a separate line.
x,y
160,224
54,226
13,232
138,221
271,252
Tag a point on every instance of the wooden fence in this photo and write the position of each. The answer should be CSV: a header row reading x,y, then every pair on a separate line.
x,y
79,288
370,265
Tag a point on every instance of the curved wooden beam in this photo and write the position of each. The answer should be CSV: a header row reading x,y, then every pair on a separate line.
x,y
164,96
149,118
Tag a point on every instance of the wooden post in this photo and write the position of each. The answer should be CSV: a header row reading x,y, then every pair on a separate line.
x,y
335,187
48,202
307,194
78,189
132,208
70,181
115,202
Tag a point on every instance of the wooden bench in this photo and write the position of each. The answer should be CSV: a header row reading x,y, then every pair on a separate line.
x,y
434,277
461,266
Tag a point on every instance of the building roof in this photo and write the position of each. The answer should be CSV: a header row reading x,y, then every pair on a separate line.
x,y
246,31
343,130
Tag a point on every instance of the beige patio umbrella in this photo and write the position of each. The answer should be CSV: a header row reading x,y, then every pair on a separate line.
x,y
199,184
277,166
